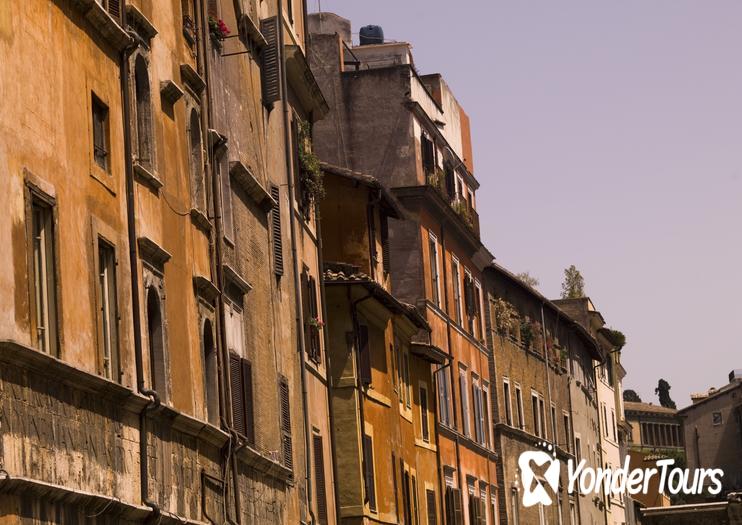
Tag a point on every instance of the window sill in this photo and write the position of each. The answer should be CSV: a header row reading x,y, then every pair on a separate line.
x,y
200,220
106,179
378,397
425,444
104,23
147,177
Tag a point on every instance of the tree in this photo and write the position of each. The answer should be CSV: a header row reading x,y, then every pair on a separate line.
x,y
663,391
631,395
573,286
529,279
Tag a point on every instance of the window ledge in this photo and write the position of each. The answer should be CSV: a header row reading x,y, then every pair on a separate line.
x,y
264,463
234,279
104,178
140,23
147,177
104,23
378,397
192,79
171,91
200,220
205,289
152,252
424,444
245,178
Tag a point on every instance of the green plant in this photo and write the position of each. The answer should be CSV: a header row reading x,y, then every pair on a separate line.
x,y
573,286
526,334
506,316
309,166
218,31
615,337
436,178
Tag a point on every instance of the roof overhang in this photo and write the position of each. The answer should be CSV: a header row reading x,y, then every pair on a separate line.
x,y
429,352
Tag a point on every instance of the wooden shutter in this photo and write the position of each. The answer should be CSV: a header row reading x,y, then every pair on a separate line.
x,y
238,396
430,504
458,507
213,10
368,465
427,154
364,355
283,388
385,247
270,61
114,9
450,506
248,404
276,231
319,478
424,413
314,312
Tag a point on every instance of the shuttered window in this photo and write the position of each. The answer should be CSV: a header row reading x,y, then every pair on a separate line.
x,y
364,355
430,503
426,146
319,478
270,62
454,511
276,231
113,7
424,414
240,373
368,465
286,446
385,247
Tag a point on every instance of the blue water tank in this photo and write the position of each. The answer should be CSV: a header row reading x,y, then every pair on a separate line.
x,y
371,35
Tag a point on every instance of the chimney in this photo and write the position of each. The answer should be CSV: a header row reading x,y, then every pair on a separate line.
x,y
735,375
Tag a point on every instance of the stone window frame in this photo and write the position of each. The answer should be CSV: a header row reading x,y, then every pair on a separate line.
x,y
37,190
507,402
144,166
424,415
197,177
100,109
519,406
102,233
153,279
206,293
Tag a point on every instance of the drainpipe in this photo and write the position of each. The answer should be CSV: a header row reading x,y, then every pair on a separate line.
x,y
215,248
356,339
294,257
154,398
328,365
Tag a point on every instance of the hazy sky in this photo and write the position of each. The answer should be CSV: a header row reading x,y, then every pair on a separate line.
x,y
606,135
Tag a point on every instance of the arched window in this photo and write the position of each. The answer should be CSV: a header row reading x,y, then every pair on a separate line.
x,y
197,162
143,113
156,341
210,374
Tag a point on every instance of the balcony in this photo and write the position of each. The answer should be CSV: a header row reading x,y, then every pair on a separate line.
x,y
468,215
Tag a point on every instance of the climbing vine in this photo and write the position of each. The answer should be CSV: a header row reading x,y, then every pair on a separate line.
x,y
312,187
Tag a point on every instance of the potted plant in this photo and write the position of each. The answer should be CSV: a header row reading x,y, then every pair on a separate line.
x,y
218,31
310,172
526,334
316,322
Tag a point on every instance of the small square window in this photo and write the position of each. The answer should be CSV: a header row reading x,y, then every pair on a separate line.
x,y
100,133
716,419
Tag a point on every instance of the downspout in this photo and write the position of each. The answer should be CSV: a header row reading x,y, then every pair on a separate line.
x,y
354,319
294,257
328,363
439,466
215,240
154,398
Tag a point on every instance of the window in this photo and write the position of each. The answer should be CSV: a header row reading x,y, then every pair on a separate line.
x,y
276,231
407,385
368,468
113,7
480,426
519,407
143,113
364,354
487,429
613,425
222,167
434,278
44,276
542,416
554,433
100,133
311,317
469,301
464,388
507,402
319,479
578,449
156,342
211,374
108,315
567,438
198,186
424,423
427,153
479,323
286,445
240,374
572,513
535,413
716,419
605,419
454,508
430,504
456,278
444,396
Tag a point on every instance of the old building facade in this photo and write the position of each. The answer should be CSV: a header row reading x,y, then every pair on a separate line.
x,y
154,215
411,134
539,353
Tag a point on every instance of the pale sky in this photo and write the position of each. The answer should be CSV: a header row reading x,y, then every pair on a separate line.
x,y
606,135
